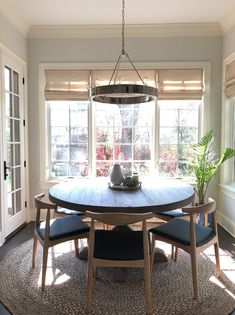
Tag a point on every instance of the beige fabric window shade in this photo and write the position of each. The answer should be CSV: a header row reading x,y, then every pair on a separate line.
x,y
230,79
180,84
102,77
65,85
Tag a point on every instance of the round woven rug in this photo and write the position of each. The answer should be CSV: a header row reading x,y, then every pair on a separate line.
x,y
20,287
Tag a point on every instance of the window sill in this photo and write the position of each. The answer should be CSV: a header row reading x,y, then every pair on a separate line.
x,y
228,190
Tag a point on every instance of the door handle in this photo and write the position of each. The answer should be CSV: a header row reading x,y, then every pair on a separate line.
x,y
5,168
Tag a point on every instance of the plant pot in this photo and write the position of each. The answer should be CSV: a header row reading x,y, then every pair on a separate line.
x,y
203,219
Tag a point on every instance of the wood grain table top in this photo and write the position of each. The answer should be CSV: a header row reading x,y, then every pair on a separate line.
x,y
155,195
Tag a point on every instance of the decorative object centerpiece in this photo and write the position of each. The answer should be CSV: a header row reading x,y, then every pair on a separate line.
x,y
126,183
116,175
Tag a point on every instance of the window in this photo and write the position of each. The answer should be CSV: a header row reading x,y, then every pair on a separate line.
x,y
179,126
233,133
229,114
124,134
85,138
68,138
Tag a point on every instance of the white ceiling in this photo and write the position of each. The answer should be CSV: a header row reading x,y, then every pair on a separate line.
x,y
103,12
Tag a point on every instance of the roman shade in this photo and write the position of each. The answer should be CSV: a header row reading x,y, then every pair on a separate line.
x,y
180,84
67,84
74,84
229,84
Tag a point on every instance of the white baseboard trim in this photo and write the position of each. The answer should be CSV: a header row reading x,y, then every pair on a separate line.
x,y
226,223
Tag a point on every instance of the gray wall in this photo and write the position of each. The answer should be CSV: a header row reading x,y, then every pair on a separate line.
x,y
229,42
107,50
12,38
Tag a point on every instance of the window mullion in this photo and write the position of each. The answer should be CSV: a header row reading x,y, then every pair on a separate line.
x,y
70,144
91,139
49,157
156,133
178,138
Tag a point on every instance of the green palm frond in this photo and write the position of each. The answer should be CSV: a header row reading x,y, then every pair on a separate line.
x,y
206,161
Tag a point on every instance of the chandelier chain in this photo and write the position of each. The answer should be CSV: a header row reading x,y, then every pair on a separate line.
x,y
123,27
123,93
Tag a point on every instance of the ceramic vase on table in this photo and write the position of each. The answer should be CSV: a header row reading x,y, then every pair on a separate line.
x,y
116,175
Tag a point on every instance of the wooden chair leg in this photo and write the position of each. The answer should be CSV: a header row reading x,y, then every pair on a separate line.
x,y
152,251
148,295
172,252
89,285
194,275
176,254
95,273
35,245
217,259
105,226
76,247
44,265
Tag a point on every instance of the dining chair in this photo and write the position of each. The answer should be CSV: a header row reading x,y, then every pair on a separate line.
x,y
62,212
192,237
55,231
170,215
119,248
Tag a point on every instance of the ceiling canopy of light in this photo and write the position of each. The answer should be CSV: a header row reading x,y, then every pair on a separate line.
x,y
118,93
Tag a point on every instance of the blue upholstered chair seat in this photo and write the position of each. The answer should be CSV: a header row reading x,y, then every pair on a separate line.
x,y
174,213
179,231
69,212
63,227
118,245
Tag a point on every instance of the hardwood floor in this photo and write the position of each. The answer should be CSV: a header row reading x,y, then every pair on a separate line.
x,y
225,239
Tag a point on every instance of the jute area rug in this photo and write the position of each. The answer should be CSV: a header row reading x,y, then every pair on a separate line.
x,y
20,287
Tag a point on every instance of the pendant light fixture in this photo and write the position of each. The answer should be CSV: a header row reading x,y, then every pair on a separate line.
x,y
118,93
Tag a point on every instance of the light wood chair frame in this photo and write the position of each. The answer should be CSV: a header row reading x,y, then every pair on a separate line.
x,y
167,218
119,219
46,243
192,249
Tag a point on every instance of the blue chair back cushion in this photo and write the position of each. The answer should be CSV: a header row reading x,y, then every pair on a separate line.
x,y
118,245
179,231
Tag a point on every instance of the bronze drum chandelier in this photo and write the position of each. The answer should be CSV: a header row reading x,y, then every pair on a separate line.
x,y
118,93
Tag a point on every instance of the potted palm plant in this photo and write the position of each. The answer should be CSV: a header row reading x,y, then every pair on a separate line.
x,y
206,161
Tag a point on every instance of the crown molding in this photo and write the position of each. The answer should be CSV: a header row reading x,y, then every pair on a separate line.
x,y
14,17
228,21
145,30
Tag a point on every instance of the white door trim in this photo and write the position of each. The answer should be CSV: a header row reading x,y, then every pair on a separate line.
x,y
7,54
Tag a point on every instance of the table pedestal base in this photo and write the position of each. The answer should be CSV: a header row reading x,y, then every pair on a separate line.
x,y
159,255
83,253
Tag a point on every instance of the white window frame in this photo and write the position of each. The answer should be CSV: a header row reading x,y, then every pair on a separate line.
x,y
204,112
227,177
199,132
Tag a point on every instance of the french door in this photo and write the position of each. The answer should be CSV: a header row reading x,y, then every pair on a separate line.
x,y
13,172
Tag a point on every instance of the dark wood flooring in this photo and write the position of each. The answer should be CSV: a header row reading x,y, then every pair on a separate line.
x,y
26,233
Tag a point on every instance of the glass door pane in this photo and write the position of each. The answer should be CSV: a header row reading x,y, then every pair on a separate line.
x,y
13,145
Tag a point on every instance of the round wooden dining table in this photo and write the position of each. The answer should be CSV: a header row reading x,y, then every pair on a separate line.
x,y
94,194
155,195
